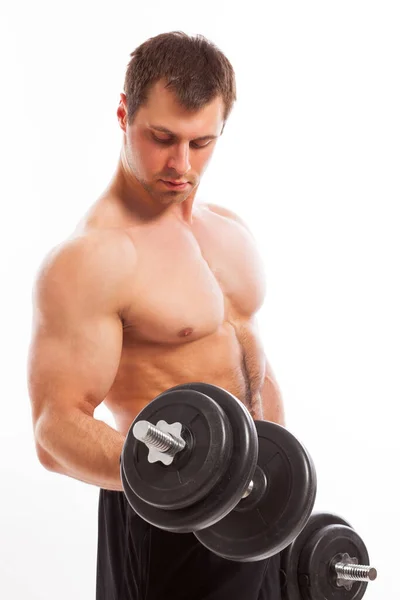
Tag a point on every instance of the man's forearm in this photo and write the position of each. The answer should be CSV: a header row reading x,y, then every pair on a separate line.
x,y
268,404
272,402
82,447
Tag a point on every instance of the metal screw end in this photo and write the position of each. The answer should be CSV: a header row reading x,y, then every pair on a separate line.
x,y
153,437
353,572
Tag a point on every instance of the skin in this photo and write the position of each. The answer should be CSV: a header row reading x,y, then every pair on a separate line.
x,y
152,290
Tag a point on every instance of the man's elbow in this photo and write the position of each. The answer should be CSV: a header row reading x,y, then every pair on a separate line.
x,y
45,459
44,456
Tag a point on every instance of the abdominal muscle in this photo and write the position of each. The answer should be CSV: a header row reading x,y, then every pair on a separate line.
x,y
148,369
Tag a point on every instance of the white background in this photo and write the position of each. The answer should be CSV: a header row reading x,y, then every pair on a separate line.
x,y
309,158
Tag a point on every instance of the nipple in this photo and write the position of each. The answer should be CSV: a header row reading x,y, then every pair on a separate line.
x,y
185,332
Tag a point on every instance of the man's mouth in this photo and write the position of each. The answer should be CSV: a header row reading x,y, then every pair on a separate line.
x,y
175,185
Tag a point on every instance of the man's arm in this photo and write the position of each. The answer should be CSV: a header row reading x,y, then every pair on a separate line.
x,y
74,355
271,398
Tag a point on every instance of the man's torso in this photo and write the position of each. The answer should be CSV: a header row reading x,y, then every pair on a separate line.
x,y
191,316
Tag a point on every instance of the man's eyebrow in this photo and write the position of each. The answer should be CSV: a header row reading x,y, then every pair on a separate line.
x,y
171,133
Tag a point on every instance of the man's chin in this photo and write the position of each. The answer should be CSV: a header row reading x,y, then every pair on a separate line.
x,y
174,195
169,198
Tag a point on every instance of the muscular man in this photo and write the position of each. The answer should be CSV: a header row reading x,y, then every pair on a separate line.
x,y
152,290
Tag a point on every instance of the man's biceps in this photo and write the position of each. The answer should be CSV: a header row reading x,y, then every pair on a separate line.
x,y
82,363
92,334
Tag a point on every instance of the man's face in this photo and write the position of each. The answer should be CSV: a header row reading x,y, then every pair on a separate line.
x,y
168,143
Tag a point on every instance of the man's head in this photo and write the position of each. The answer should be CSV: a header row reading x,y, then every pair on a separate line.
x,y
178,94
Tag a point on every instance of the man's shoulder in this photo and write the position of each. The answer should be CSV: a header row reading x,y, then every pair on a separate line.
x,y
229,214
83,258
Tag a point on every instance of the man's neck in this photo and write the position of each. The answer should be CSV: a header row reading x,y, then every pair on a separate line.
x,y
137,201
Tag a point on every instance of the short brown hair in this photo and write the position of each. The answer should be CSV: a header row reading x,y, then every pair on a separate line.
x,y
192,66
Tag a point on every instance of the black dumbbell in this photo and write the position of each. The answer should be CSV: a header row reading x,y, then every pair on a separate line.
x,y
327,560
195,461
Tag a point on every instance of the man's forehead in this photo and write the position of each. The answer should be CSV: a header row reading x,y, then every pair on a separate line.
x,y
163,111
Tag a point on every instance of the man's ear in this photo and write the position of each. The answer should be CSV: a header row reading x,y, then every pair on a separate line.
x,y
122,112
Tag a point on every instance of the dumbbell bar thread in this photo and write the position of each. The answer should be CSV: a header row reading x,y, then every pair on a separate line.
x,y
352,572
150,435
147,433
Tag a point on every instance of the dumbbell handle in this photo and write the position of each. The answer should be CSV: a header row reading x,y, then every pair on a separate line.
x,y
164,442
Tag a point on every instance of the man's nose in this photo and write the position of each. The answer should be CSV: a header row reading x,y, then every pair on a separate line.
x,y
179,161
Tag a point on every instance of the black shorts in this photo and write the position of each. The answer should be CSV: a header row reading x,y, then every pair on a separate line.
x,y
137,561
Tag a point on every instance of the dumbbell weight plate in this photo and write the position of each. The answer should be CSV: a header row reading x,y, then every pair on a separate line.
x,y
193,474
194,471
277,508
194,506
317,579
291,555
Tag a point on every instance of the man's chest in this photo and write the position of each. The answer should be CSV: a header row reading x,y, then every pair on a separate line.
x,y
193,280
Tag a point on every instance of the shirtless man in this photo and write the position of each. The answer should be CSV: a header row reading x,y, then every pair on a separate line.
x,y
152,290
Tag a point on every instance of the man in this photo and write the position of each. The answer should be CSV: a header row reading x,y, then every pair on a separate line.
x,y
152,290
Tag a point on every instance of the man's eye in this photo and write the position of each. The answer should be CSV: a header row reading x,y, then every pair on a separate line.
x,y
170,141
160,141
198,146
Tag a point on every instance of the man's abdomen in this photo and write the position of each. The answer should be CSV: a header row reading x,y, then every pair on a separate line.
x,y
146,370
